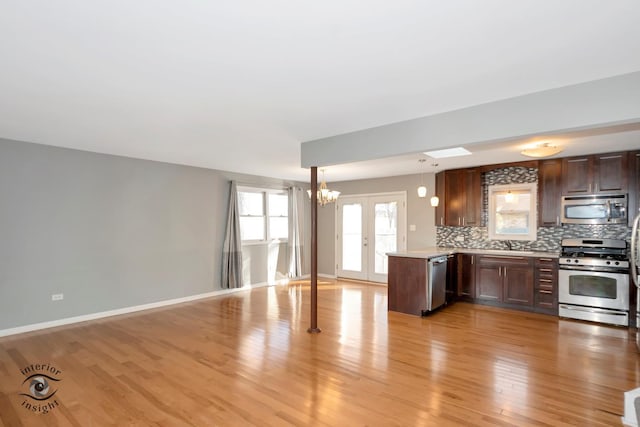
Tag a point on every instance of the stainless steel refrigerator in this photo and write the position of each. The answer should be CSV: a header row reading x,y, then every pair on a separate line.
x,y
634,260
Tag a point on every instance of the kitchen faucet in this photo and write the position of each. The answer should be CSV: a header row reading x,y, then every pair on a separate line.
x,y
509,245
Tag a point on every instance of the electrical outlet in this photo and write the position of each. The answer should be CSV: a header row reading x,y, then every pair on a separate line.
x,y
412,227
57,297
460,239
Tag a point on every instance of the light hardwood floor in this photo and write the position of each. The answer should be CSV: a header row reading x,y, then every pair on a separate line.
x,y
246,359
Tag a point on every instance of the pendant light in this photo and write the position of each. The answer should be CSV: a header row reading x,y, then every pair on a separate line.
x,y
435,200
422,190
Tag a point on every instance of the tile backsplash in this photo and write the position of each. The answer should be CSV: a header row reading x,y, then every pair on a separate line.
x,y
548,238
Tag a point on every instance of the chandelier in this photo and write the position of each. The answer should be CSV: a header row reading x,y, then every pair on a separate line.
x,y
324,194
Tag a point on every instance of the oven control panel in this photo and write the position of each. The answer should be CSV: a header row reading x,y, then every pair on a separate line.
x,y
593,262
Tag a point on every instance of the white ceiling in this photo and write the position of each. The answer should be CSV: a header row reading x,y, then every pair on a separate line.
x,y
239,85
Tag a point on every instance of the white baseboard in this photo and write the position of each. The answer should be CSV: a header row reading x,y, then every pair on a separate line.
x,y
328,276
126,310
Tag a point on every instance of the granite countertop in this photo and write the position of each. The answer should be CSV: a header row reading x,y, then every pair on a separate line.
x,y
434,251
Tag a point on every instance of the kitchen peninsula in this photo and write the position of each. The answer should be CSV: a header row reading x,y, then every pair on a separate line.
x,y
524,280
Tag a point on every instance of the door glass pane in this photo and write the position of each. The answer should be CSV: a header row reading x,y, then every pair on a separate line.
x,y
386,234
352,237
586,212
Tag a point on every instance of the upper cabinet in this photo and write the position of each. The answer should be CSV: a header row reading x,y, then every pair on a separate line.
x,y
440,193
634,185
462,203
599,173
549,192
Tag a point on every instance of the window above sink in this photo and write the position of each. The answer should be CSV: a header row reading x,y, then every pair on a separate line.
x,y
512,212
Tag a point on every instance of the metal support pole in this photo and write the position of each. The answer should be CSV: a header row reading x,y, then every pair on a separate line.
x,y
313,329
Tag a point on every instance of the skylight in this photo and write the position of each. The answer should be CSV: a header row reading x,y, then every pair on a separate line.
x,y
448,152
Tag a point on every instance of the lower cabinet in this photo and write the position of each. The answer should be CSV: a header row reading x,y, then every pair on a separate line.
x,y
504,279
466,275
452,278
406,285
546,285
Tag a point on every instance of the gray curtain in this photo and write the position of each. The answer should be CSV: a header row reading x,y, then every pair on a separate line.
x,y
232,248
296,210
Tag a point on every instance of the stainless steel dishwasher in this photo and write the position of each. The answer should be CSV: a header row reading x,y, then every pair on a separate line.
x,y
436,282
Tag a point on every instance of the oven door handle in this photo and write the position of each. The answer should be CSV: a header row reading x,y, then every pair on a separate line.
x,y
613,270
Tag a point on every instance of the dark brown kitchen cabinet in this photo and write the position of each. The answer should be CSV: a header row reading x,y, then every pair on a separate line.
x,y
545,286
505,279
488,279
518,283
549,192
462,197
466,275
452,278
598,173
634,185
440,193
406,286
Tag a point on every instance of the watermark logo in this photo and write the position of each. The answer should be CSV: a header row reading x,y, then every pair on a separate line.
x,y
40,385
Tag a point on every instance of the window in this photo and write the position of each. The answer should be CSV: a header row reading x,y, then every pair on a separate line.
x,y
278,216
264,214
512,212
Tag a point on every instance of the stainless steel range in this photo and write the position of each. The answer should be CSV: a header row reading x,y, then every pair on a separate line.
x,y
593,280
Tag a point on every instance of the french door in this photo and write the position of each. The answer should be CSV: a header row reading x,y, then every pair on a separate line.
x,y
368,227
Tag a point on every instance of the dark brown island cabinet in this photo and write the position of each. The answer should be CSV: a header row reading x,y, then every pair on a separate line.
x,y
519,282
406,284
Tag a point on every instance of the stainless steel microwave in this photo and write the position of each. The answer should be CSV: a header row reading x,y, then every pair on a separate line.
x,y
594,209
